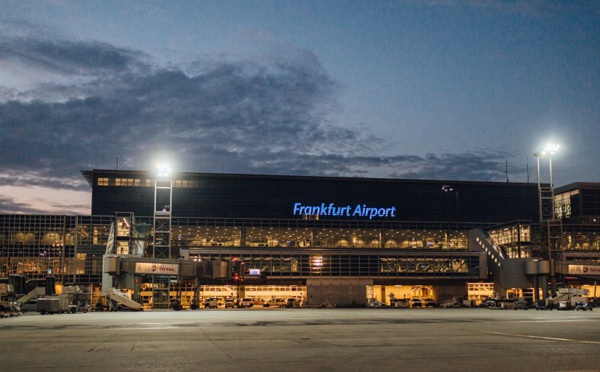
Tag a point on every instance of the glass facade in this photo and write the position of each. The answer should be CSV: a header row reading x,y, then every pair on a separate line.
x,y
67,247
194,232
71,247
578,203
252,218
346,263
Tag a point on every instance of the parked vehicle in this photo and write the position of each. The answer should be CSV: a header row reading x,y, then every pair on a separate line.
x,y
401,304
375,303
429,302
31,305
55,305
229,303
580,305
176,305
275,302
294,302
247,303
521,304
416,302
8,303
452,302
211,303
564,305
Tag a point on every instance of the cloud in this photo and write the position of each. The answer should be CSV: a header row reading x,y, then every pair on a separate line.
x,y
522,7
39,49
275,115
9,206
32,198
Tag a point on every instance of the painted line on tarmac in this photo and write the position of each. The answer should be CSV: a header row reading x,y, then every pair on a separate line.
x,y
155,326
546,338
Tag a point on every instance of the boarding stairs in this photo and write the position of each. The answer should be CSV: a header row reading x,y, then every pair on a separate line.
x,y
34,293
120,298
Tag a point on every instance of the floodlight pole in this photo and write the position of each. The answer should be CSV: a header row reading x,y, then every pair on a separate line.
x,y
550,228
163,200
546,193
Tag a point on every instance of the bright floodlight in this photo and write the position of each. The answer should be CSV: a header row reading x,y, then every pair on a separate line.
x,y
163,170
549,150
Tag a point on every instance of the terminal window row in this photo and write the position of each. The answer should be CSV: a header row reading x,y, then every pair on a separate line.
x,y
143,182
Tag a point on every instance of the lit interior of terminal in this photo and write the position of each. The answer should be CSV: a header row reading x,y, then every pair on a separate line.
x,y
221,240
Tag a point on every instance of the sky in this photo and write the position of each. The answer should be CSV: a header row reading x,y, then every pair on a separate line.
x,y
411,89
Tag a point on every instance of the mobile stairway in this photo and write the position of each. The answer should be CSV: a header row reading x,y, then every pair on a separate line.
x,y
114,295
34,293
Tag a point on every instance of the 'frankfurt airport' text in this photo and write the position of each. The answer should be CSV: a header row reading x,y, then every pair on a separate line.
x,y
361,210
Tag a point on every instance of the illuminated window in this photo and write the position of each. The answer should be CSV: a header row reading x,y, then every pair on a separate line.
x,y
185,183
123,181
80,268
102,181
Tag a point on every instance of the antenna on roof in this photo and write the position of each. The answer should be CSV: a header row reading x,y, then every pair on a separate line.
x,y
527,170
117,163
506,169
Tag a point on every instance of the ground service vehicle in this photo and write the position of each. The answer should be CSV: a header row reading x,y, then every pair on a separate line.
x,y
54,305
452,302
68,301
416,302
375,303
294,302
401,304
581,305
8,301
428,302
176,305
565,299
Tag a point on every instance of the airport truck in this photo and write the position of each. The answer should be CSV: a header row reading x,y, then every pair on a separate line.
x,y
8,301
66,302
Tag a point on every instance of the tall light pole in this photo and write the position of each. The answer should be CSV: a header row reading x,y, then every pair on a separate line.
x,y
163,199
546,193
551,230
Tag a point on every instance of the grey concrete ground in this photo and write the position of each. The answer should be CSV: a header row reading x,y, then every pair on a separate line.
x,y
304,340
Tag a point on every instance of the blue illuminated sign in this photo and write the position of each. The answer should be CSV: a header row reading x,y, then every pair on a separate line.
x,y
332,210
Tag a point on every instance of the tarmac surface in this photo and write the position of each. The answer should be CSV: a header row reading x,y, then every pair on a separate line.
x,y
304,340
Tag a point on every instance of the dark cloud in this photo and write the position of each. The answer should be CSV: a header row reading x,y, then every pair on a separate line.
x,y
67,57
229,116
10,206
522,7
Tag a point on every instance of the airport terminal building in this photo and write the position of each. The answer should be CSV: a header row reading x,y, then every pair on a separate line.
x,y
319,240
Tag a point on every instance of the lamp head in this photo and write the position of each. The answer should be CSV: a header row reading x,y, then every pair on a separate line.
x,y
163,170
447,188
549,150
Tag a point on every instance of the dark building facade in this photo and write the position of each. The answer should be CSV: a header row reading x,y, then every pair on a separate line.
x,y
282,197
